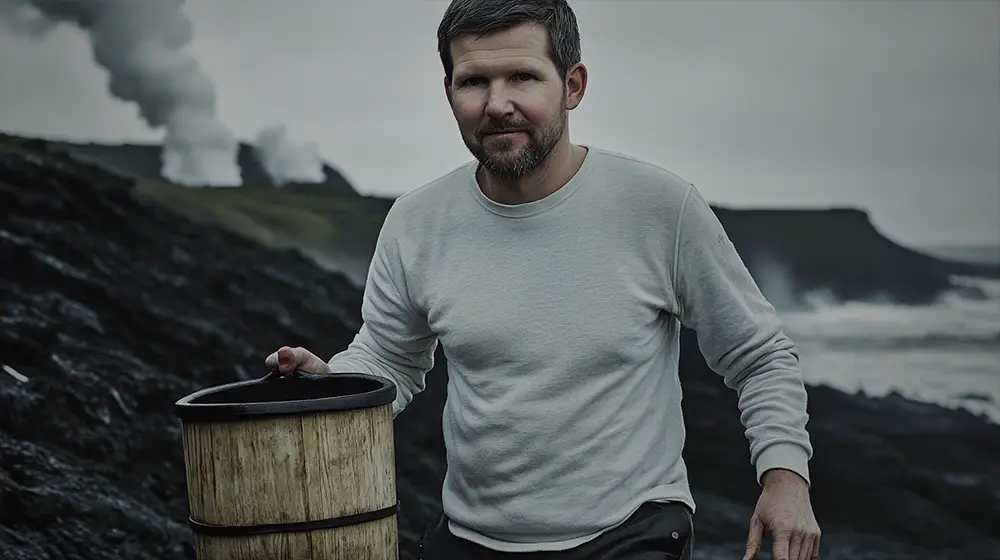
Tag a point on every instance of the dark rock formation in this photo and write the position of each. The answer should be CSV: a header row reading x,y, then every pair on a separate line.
x,y
791,253
143,161
110,310
839,251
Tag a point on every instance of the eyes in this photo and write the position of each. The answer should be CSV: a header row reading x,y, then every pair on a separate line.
x,y
477,81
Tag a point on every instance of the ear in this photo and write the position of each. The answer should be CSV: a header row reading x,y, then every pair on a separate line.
x,y
576,85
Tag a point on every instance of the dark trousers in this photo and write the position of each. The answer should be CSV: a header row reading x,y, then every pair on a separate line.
x,y
656,531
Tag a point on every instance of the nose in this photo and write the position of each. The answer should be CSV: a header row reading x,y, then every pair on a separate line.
x,y
499,104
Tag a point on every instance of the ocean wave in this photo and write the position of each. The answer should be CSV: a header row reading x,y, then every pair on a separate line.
x,y
965,292
953,321
940,352
989,286
931,341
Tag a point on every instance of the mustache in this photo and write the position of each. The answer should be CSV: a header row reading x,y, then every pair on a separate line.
x,y
495,127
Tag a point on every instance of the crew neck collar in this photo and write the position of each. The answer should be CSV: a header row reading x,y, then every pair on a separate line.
x,y
543,204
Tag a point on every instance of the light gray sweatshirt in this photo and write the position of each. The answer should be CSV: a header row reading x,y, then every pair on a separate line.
x,y
560,320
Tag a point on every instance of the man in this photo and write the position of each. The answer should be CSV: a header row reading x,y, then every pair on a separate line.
x,y
556,277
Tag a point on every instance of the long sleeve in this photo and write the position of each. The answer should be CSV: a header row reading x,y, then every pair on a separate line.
x,y
394,340
741,337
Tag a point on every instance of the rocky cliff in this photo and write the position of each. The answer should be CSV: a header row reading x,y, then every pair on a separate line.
x,y
836,253
839,253
142,161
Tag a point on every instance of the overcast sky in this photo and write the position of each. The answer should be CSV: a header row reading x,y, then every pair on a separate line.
x,y
891,106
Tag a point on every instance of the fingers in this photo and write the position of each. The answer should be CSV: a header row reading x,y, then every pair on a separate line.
x,y
753,539
288,359
780,541
796,546
271,362
808,545
801,544
285,360
810,542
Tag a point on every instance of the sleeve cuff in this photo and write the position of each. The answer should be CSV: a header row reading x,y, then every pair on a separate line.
x,y
783,456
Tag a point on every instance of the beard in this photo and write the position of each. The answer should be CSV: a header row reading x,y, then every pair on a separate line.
x,y
503,159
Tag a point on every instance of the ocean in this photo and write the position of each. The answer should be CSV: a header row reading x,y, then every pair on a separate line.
x,y
946,352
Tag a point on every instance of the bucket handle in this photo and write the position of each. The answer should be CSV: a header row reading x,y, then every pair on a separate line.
x,y
297,373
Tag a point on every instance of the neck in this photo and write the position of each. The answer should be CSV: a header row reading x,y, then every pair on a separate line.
x,y
556,170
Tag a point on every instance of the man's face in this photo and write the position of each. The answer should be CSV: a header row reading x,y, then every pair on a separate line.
x,y
508,98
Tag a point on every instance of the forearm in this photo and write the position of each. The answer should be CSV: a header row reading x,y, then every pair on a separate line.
x,y
772,403
761,364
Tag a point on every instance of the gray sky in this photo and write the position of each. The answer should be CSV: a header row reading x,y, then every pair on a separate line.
x,y
893,106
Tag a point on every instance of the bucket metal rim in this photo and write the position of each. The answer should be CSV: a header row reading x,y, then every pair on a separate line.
x,y
187,410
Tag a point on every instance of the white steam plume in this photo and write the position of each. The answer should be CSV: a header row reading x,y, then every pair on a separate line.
x,y
139,43
287,162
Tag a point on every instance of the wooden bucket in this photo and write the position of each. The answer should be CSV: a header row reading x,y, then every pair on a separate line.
x,y
297,467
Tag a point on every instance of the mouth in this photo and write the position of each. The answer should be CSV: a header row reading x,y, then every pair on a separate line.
x,y
503,133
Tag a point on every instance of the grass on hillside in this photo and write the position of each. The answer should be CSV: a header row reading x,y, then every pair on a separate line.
x,y
299,216
276,217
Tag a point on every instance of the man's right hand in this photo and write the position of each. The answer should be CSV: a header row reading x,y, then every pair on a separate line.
x,y
286,360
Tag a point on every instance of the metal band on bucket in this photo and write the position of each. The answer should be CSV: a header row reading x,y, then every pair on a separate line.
x,y
296,527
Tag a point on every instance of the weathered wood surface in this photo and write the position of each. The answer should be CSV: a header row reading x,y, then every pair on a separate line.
x,y
289,469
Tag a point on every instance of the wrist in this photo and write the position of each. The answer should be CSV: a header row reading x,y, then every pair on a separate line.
x,y
782,476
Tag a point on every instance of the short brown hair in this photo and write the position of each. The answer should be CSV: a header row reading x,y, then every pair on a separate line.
x,y
480,17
